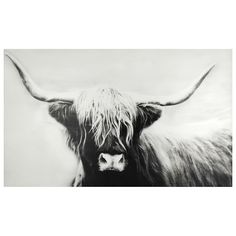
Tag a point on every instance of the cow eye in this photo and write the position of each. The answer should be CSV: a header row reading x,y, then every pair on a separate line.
x,y
123,131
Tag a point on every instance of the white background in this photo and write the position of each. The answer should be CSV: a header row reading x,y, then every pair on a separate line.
x,y
116,211
36,153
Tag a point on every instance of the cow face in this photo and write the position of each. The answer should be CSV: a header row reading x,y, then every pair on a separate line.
x,y
103,129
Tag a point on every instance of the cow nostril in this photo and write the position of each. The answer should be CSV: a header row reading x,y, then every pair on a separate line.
x,y
102,160
122,160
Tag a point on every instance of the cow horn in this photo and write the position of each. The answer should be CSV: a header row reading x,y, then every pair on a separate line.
x,y
32,87
184,95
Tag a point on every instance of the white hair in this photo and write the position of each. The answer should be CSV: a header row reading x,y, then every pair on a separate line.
x,y
106,111
187,158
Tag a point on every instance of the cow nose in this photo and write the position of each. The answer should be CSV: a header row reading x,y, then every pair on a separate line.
x,y
115,162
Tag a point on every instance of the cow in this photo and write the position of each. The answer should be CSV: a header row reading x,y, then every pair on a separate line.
x,y
113,137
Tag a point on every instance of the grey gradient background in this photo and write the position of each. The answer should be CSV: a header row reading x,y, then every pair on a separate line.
x,y
35,149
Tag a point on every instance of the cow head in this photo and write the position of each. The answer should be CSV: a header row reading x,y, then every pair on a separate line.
x,y
103,127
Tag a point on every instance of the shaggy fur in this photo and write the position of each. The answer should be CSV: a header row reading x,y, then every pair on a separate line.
x,y
106,110
163,158
195,161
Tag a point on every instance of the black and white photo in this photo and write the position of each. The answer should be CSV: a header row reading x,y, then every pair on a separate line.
x,y
118,118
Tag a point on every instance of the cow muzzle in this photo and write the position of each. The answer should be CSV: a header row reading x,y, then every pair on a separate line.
x,y
108,162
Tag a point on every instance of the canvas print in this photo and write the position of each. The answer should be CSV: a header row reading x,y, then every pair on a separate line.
x,y
118,118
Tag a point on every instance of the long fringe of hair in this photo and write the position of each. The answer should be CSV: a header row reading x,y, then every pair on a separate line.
x,y
106,111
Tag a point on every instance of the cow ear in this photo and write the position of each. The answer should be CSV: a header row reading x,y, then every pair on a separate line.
x,y
148,114
63,113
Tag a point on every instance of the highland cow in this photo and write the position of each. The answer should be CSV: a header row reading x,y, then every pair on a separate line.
x,y
112,135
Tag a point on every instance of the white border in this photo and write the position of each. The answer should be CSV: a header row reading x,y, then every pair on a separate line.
x,y
117,24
